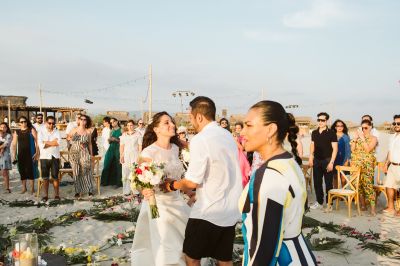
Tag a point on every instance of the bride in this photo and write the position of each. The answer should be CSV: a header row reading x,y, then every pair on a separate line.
x,y
159,241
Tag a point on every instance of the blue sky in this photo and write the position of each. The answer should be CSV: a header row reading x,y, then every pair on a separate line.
x,y
336,56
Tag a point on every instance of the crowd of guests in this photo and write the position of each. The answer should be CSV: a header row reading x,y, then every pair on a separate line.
x,y
227,164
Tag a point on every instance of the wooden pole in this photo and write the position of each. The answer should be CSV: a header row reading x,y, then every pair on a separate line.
x,y
9,113
141,108
41,99
150,94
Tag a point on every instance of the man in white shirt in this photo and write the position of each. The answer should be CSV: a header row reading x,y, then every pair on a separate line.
x,y
49,145
215,174
392,166
39,125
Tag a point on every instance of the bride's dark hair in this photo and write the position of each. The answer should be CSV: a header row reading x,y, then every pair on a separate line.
x,y
150,136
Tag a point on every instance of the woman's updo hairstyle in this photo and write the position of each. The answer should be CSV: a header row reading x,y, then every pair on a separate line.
x,y
273,112
150,136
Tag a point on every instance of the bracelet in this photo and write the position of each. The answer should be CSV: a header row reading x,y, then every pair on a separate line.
x,y
171,186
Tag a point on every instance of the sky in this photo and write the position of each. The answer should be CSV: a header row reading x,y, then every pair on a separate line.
x,y
341,57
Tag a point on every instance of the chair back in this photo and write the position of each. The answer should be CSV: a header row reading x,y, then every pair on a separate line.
x,y
64,157
380,172
351,176
96,165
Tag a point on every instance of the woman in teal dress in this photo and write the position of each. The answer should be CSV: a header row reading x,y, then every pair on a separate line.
x,y
112,169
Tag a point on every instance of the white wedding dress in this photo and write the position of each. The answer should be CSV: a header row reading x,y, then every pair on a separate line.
x,y
158,242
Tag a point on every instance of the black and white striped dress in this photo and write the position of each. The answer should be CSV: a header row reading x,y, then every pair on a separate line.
x,y
81,163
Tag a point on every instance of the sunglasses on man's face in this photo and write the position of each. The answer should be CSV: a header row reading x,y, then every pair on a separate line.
x,y
396,123
321,120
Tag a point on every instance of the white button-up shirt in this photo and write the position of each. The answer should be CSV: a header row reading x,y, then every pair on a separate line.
x,y
214,165
45,135
39,127
394,148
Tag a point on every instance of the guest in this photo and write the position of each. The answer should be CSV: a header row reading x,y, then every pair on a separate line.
x,y
182,135
375,133
70,126
363,149
26,152
81,157
244,164
141,128
93,136
323,150
215,174
112,169
39,125
5,155
344,149
130,147
224,123
49,143
392,166
105,134
159,241
272,204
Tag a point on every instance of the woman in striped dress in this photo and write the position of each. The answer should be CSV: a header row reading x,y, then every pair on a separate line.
x,y
81,157
273,202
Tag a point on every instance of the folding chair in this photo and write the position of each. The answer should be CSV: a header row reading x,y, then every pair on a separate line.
x,y
349,191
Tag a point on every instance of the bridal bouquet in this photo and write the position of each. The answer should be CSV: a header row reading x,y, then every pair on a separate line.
x,y
147,175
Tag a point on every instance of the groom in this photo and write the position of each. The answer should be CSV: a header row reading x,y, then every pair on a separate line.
x,y
215,174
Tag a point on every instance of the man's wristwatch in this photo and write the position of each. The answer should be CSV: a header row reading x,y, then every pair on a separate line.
x,y
171,185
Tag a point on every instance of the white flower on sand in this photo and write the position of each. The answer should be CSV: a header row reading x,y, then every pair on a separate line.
x,y
62,245
186,155
119,242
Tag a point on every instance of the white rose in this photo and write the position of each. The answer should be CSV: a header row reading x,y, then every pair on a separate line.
x,y
156,179
148,176
142,178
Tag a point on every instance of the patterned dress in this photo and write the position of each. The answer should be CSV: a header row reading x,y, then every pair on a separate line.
x,y
81,163
366,162
272,206
5,157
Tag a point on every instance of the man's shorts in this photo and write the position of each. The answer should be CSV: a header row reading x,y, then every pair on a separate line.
x,y
204,239
393,177
48,166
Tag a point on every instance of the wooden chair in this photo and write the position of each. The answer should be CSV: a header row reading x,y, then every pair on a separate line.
x,y
96,172
64,157
349,191
308,172
378,187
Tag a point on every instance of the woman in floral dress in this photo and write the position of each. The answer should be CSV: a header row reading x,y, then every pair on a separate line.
x,y
363,149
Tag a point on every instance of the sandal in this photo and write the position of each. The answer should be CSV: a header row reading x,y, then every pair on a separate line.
x,y
7,191
57,198
45,199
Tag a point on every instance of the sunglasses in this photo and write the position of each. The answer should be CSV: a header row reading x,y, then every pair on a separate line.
x,y
140,124
321,120
364,128
23,121
396,123
181,133
51,123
